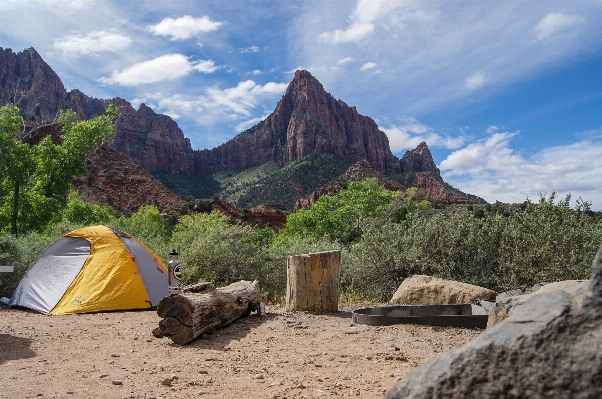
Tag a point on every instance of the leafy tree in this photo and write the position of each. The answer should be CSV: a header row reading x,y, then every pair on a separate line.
x,y
35,180
16,165
78,211
341,218
147,223
408,205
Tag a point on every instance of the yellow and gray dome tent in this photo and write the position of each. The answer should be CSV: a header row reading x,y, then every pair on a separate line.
x,y
90,270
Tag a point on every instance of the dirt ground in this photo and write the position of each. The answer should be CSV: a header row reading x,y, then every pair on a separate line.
x,y
281,355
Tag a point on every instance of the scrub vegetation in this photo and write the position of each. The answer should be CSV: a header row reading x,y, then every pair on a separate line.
x,y
384,236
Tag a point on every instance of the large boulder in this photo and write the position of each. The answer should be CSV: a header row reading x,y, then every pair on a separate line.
x,y
427,290
550,348
507,305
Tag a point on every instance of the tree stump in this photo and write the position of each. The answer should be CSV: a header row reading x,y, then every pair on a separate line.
x,y
313,282
201,309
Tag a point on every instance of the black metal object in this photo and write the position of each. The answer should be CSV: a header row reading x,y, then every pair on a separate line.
x,y
433,315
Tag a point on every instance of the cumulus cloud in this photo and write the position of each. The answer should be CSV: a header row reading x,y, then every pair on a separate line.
x,y
246,50
555,22
475,81
363,20
165,67
345,60
412,132
236,104
491,169
184,27
205,66
490,153
367,66
244,125
92,44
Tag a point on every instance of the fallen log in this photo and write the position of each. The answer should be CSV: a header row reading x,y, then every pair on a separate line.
x,y
201,309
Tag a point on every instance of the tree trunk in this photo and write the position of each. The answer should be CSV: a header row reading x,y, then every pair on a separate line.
x,y
15,212
201,308
313,282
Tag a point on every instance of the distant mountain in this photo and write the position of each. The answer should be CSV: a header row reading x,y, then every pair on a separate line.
x,y
112,178
308,142
151,140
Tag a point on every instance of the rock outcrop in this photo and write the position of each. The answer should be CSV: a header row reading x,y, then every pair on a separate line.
x,y
112,178
306,120
504,307
427,290
419,160
151,140
550,348
259,216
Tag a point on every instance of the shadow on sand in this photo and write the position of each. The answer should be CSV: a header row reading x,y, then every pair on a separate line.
x,y
15,348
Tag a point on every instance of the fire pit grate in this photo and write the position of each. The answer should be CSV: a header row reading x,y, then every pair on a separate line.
x,y
433,315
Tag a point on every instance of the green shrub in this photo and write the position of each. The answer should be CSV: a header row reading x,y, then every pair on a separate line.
x,y
213,250
546,242
87,213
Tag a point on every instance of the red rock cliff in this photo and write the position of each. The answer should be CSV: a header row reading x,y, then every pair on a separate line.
x,y
307,119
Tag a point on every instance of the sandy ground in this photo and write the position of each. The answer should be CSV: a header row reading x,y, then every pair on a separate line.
x,y
281,355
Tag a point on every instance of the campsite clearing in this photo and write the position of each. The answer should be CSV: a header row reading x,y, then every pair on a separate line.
x,y
281,355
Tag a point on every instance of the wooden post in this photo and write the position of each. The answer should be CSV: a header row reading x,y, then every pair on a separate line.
x,y
313,282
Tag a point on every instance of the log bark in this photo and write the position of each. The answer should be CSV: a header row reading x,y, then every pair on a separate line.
x,y
201,309
313,282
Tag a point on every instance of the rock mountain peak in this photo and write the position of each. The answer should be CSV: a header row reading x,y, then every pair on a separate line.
x,y
306,120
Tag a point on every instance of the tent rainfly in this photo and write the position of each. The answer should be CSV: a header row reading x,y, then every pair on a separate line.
x,y
93,269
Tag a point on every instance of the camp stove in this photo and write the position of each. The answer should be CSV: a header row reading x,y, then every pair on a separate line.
x,y
173,267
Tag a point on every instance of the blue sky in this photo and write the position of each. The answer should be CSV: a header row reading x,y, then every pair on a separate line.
x,y
507,94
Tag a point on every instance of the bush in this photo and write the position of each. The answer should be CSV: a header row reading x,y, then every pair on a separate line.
x,y
87,213
547,242
213,250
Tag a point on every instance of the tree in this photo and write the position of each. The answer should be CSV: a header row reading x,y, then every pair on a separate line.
x,y
35,180
81,212
341,218
17,164
409,205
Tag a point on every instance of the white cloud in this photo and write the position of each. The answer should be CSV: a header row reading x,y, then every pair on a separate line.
x,y
553,23
366,14
255,72
412,132
368,66
246,50
92,44
490,168
244,125
205,66
184,27
165,67
485,154
236,104
345,60
428,50
475,81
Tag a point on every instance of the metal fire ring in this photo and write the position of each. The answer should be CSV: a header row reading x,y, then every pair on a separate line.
x,y
433,315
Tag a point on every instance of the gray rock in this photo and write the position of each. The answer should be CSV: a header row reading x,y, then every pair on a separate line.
x,y
550,348
508,305
521,291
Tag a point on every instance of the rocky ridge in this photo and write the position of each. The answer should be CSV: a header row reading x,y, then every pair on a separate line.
x,y
306,120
